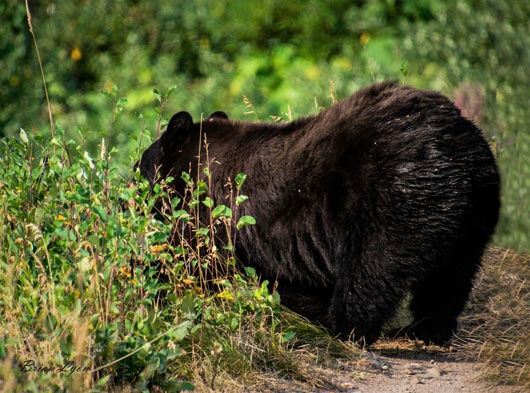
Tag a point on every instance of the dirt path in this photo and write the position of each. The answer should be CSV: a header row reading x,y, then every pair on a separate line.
x,y
395,366
431,374
413,371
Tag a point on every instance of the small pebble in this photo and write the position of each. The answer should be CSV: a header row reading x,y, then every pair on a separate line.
x,y
435,372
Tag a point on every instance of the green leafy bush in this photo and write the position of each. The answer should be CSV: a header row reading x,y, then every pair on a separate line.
x,y
100,289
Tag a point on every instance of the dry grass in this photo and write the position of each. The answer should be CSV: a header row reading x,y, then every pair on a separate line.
x,y
409,349
310,362
495,327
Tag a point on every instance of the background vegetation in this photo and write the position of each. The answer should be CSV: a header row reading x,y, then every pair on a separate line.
x,y
285,57
66,236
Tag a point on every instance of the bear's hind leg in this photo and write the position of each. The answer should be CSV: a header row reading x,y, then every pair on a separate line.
x,y
438,300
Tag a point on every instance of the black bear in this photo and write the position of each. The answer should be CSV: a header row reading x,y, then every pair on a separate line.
x,y
386,193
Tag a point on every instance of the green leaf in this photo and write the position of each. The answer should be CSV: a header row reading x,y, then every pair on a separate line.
x,y
250,271
186,177
81,196
274,299
51,322
65,233
111,94
181,331
203,231
170,91
199,190
234,324
157,95
404,68
122,102
114,309
181,250
202,186
240,179
23,136
182,214
288,336
174,202
89,160
187,305
103,381
59,129
229,247
99,211
240,199
222,211
245,220
208,202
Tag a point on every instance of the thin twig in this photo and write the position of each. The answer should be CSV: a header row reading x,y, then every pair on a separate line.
x,y
28,13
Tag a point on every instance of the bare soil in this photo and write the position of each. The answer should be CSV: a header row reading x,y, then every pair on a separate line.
x,y
409,367
395,366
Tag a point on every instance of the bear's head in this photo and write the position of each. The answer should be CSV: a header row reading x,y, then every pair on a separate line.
x,y
165,153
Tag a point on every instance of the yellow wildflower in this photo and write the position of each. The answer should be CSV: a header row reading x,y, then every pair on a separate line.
x,y
76,54
365,38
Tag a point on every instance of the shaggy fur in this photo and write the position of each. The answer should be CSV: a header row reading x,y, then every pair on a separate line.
x,y
388,192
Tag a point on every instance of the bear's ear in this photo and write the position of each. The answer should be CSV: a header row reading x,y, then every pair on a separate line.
x,y
177,132
218,115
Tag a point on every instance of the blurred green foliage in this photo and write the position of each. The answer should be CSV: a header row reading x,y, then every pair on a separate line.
x,y
288,59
